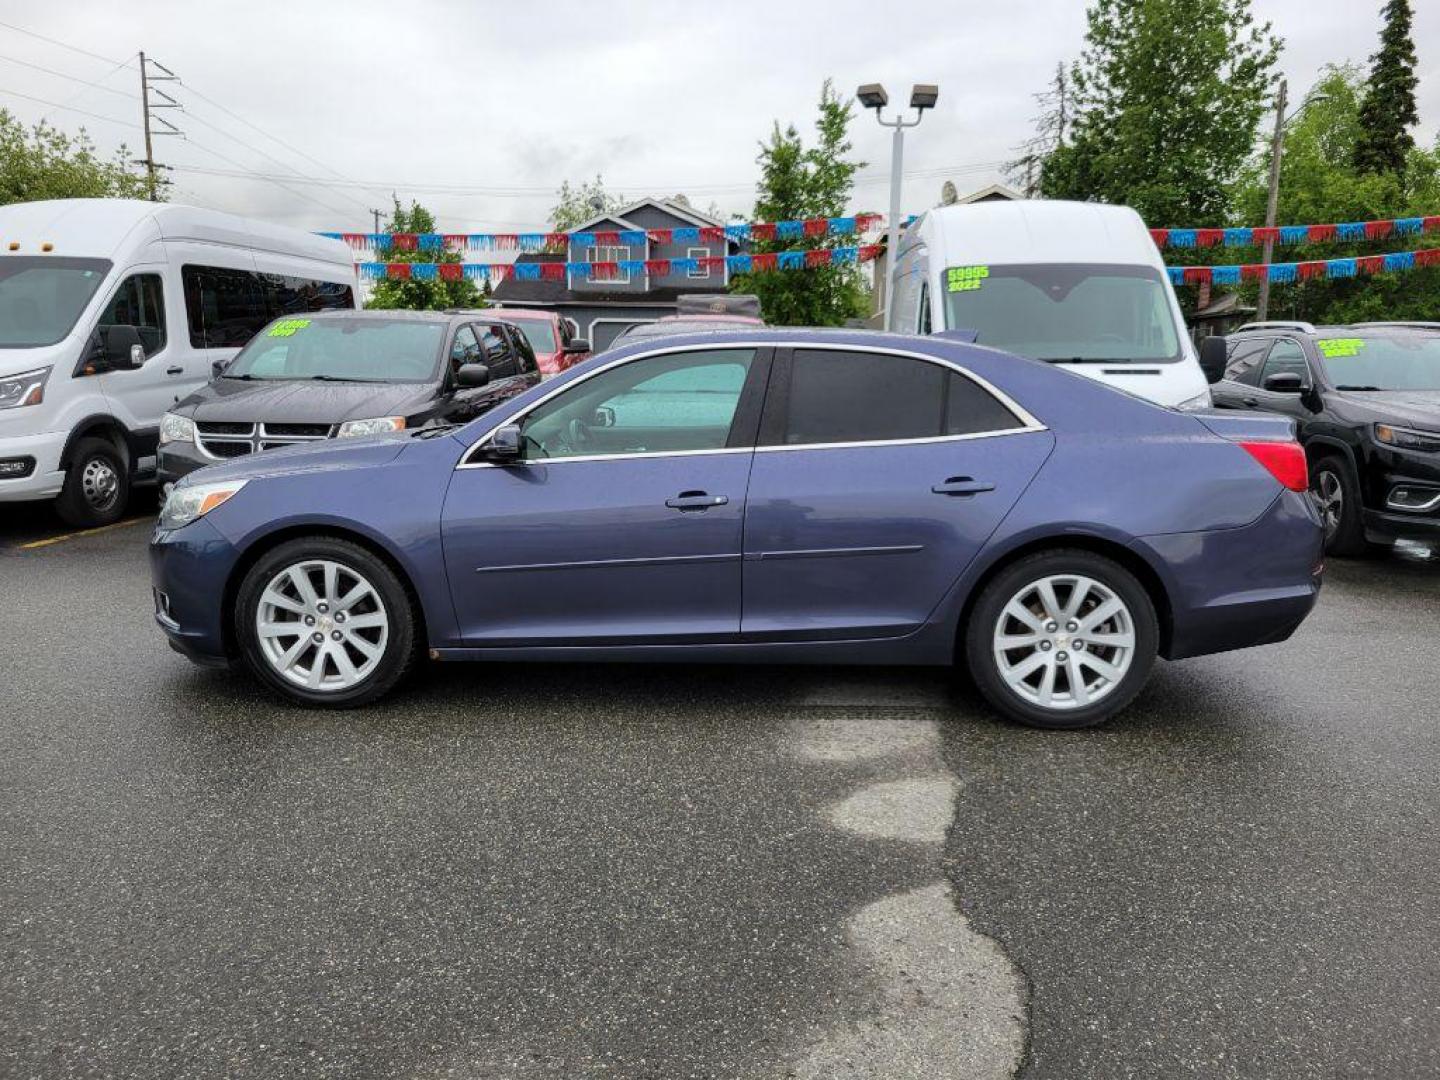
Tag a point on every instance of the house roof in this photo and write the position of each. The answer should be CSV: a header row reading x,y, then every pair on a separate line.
x,y
991,194
685,213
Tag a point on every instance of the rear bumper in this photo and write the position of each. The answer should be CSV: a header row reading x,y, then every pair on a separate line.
x,y
188,568
1235,588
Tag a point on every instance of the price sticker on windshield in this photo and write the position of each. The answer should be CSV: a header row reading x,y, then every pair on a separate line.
x,y
966,278
287,327
1330,348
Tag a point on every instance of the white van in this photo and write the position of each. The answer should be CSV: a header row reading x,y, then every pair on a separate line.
x,y
111,310
1079,284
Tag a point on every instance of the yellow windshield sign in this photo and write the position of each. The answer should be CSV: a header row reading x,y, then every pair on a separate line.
x,y
1342,346
966,278
287,327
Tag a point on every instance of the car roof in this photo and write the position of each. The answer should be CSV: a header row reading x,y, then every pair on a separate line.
x,y
514,313
383,313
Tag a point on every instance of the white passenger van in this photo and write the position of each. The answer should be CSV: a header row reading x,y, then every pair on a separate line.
x,y
1079,284
111,310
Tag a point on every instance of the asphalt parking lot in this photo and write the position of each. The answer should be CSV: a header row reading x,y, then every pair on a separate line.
x,y
677,872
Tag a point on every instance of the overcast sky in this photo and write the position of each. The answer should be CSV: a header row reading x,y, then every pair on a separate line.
x,y
480,109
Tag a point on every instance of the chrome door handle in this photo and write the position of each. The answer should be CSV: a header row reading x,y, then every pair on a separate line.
x,y
1250,401
963,486
696,500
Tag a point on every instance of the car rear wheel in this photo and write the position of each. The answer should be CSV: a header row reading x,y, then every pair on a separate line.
x,y
1336,490
97,485
1062,639
325,623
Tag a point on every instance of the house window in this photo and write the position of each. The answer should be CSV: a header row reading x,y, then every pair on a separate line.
x,y
609,254
698,253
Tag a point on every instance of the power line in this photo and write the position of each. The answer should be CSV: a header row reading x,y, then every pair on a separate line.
x,y
72,78
246,174
70,108
64,45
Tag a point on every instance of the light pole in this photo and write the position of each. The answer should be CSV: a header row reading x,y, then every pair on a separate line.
x,y
873,96
1277,146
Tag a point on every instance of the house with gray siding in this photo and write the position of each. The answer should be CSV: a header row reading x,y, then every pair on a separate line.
x,y
601,307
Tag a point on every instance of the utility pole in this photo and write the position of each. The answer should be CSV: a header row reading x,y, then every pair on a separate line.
x,y
1262,305
166,102
376,214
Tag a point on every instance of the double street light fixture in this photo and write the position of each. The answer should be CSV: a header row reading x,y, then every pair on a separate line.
x,y
873,96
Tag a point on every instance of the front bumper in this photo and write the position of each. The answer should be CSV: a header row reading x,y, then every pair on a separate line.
x,y
188,570
1387,526
41,476
177,459
1235,588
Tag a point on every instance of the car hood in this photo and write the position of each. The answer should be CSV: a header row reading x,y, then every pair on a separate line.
x,y
1414,408
286,401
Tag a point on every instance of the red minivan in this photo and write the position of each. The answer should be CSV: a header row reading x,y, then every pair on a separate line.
x,y
549,336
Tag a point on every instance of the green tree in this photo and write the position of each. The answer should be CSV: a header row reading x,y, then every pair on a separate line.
x,y
1167,97
581,202
411,294
1388,111
797,182
42,162
1318,184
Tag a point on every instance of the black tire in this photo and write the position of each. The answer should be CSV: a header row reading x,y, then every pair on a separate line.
x,y
1345,531
986,616
400,644
97,485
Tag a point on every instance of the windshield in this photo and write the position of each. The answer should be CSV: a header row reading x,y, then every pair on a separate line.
x,y
1373,362
1065,312
346,350
540,335
42,297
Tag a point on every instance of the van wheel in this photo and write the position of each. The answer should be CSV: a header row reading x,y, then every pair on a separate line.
x,y
1062,639
325,623
1336,490
97,485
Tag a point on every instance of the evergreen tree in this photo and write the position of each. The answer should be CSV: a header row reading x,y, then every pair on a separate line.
x,y
1388,110
414,295
797,182
1167,95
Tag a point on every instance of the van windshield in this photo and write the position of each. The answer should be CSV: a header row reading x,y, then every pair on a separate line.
x,y
1075,313
42,297
342,350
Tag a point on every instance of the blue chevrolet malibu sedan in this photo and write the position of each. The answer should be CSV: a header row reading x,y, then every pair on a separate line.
x,y
834,497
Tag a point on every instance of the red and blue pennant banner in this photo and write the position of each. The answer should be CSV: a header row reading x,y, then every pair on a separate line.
x,y
1305,271
1344,231
622,270
533,242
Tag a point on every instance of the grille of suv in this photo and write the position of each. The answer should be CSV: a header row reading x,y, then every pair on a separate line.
x,y
228,439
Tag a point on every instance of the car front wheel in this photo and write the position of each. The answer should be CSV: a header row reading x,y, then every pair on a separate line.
x,y
325,623
1338,494
1062,639
97,485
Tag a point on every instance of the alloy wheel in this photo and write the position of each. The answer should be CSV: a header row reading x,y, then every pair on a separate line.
x,y
1064,642
1330,494
321,625
100,484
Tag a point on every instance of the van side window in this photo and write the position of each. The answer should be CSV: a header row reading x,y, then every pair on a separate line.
x,y
138,302
225,308
922,321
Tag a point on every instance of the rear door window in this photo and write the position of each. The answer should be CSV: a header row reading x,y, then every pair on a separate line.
x,y
850,397
1245,361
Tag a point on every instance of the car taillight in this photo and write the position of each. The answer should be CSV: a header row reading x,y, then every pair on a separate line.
x,y
1284,460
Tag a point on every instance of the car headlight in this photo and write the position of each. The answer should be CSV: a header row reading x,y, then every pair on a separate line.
x,y
376,426
175,428
187,502
27,388
1405,439
1199,401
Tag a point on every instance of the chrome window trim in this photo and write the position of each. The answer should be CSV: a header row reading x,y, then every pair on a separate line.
x,y
1028,421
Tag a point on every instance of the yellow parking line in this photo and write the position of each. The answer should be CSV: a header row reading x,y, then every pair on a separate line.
x,y
76,535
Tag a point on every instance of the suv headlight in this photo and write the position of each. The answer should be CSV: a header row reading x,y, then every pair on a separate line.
x,y
1199,401
27,388
176,428
376,426
1405,439
187,502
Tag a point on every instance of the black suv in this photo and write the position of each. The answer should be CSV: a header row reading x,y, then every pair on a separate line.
x,y
1366,400
337,374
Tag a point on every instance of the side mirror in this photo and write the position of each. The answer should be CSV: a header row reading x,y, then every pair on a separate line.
x,y
1284,382
577,345
604,417
124,348
504,445
1214,352
472,375
217,367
